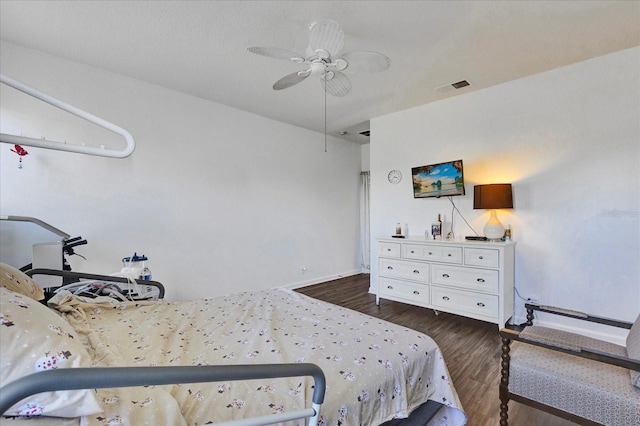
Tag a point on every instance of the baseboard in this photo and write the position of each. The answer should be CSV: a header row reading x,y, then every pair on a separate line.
x,y
618,339
319,280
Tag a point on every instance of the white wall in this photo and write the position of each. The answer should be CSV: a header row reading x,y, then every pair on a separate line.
x,y
220,200
366,157
569,141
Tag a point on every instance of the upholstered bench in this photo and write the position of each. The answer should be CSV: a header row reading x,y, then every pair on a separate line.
x,y
585,380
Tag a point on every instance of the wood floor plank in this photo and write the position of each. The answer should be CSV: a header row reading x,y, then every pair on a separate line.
x,y
471,349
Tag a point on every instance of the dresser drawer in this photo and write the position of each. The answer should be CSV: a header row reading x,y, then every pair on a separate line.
x,y
434,253
489,258
390,249
455,300
404,290
470,278
405,270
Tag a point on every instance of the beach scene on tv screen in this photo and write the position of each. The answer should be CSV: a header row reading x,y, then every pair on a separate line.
x,y
438,180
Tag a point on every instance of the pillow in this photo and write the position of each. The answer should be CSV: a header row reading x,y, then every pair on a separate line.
x,y
34,338
16,280
633,349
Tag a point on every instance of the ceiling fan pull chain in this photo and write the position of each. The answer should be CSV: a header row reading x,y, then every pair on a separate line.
x,y
325,111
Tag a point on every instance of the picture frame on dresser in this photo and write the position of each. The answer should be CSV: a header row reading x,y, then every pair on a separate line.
x,y
469,278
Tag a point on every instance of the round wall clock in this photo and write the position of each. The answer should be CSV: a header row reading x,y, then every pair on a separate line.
x,y
395,176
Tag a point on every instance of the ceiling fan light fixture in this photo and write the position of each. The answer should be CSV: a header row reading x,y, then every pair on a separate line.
x,y
318,67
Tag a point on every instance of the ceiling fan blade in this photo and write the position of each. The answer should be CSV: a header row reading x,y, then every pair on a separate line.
x,y
338,85
278,53
366,62
327,35
290,80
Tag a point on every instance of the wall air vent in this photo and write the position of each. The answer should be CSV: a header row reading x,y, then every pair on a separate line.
x,y
366,133
449,87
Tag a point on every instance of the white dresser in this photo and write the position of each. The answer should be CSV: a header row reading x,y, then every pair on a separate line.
x,y
470,278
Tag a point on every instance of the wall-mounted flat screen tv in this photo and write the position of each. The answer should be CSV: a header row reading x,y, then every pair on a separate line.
x,y
438,180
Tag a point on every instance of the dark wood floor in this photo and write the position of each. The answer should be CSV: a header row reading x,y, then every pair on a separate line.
x,y
471,349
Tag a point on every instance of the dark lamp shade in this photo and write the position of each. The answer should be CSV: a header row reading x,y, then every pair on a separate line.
x,y
493,196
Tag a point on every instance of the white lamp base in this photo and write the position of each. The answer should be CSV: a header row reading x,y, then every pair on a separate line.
x,y
494,230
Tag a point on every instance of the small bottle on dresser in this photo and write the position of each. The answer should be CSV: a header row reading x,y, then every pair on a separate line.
x,y
507,233
436,229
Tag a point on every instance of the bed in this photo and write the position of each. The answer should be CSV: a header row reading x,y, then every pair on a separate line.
x,y
375,371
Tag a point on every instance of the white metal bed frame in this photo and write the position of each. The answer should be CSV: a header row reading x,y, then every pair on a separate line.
x,y
91,378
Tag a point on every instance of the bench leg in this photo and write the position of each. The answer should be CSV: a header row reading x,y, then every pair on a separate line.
x,y
530,317
504,382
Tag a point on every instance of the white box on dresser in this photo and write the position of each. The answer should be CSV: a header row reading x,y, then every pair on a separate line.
x,y
470,278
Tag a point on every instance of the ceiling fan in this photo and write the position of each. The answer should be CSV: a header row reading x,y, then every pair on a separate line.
x,y
326,40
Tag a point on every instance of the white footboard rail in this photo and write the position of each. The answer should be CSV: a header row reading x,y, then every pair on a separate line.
x,y
113,377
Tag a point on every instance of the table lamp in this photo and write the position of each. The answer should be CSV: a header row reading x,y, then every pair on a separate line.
x,y
491,197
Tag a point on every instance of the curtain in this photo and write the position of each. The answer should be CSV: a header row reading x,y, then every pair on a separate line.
x,y
365,248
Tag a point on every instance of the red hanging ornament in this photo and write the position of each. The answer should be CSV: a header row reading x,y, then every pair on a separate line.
x,y
21,153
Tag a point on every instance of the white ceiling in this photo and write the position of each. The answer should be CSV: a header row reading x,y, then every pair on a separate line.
x,y
200,47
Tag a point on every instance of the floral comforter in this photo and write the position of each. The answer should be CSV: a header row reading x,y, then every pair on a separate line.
x,y
375,370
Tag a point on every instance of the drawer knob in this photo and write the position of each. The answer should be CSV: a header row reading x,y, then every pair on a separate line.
x,y
412,251
449,254
415,271
480,280
480,304
390,268
480,257
430,253
389,287
445,297
388,249
445,275
416,292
